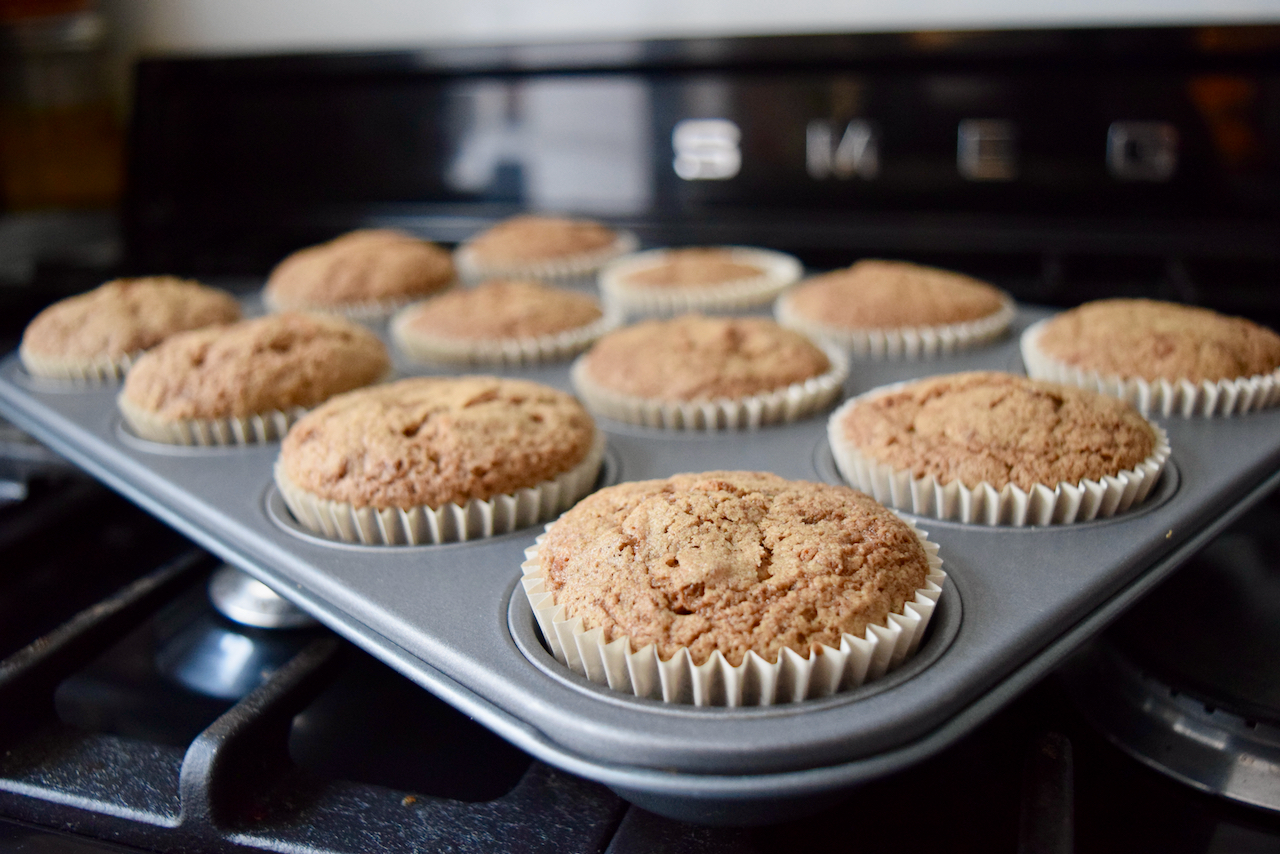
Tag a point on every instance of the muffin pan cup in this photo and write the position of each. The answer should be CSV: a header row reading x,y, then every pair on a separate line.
x,y
455,619
512,352
910,342
756,681
777,272
100,371
242,430
1157,398
982,504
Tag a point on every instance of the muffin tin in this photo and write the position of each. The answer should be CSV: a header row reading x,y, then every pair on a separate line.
x,y
452,617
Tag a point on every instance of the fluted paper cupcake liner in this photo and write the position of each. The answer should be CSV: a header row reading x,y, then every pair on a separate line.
x,y
918,342
796,401
422,525
365,311
984,504
716,682
778,270
100,371
1160,398
530,350
580,268
241,430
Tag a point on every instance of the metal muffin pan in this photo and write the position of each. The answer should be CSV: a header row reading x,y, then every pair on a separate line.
x,y
452,617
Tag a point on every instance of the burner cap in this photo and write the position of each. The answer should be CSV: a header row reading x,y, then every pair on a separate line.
x,y
246,600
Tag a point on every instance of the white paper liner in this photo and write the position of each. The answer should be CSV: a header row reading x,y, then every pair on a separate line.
x,y
918,342
241,430
580,267
1159,398
556,347
983,504
100,371
754,682
796,401
778,270
365,311
422,525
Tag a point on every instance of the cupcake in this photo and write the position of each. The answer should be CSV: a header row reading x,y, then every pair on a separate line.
x,y
435,459
96,336
894,309
731,588
997,449
249,381
501,321
362,274
1164,358
541,247
707,373
712,279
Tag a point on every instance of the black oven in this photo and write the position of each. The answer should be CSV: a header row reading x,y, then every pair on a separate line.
x,y
150,699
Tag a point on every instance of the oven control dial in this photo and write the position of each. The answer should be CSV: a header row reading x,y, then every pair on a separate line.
x,y
1142,151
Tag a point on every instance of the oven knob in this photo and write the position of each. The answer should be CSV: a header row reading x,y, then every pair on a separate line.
x,y
855,153
1142,151
706,149
987,150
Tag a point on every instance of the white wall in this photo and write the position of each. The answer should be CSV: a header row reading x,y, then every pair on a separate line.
x,y
250,26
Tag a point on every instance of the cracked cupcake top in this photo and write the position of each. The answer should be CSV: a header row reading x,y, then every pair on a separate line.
x,y
1160,340
430,441
269,363
125,316
998,428
875,294
731,561
703,358
365,266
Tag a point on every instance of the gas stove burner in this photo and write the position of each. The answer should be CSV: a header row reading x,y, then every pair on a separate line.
x,y
1175,733
244,599
1186,681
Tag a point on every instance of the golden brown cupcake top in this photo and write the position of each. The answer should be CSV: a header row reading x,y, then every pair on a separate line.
x,y
502,308
703,358
269,363
370,265
998,428
125,316
692,268
1160,340
731,561
538,238
874,294
435,440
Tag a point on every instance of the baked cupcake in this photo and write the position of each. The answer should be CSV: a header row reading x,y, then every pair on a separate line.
x,y
541,247
731,588
997,449
895,309
364,274
710,279
1164,358
436,459
249,381
501,321
708,373
96,336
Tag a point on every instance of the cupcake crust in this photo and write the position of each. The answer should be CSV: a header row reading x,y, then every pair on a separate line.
x,y
875,294
126,316
270,363
524,239
430,441
1158,340
703,358
361,267
731,561
692,267
501,309
999,429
